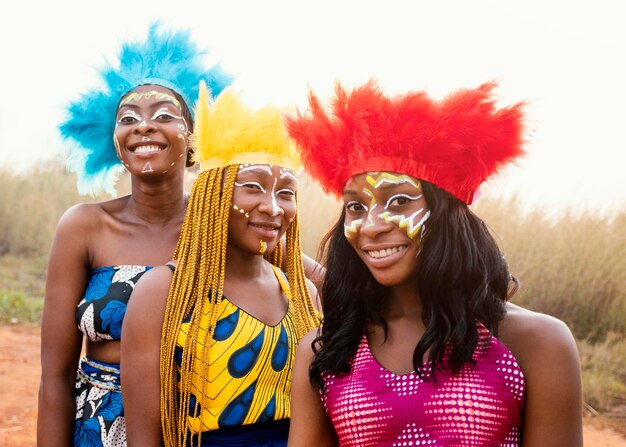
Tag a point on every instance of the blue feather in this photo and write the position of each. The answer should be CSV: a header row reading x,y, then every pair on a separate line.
x,y
167,58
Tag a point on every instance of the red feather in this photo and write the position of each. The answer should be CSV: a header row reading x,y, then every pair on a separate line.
x,y
456,143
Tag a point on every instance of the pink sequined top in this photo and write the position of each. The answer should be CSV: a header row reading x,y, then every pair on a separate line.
x,y
479,406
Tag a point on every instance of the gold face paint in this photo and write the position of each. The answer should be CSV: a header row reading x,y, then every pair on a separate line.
x,y
407,223
376,179
136,96
263,247
349,231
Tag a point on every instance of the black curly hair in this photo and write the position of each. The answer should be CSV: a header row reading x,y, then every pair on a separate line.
x,y
462,278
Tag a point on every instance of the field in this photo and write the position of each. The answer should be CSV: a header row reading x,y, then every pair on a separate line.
x,y
571,265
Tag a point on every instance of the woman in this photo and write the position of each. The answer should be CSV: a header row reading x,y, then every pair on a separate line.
x,y
419,344
210,363
141,123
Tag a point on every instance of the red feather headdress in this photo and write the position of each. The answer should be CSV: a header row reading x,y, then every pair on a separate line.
x,y
456,143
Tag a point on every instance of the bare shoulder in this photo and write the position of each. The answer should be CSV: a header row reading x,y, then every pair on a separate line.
x,y
305,347
535,337
315,296
153,287
89,216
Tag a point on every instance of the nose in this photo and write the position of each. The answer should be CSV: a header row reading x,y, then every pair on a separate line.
x,y
144,127
269,205
373,226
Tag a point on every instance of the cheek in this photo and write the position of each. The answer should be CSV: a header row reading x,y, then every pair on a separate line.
x,y
290,208
351,229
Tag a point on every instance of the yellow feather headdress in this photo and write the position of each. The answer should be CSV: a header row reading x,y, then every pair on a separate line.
x,y
228,133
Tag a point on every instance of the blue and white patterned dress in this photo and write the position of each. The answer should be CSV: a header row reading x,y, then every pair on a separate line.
x,y
100,314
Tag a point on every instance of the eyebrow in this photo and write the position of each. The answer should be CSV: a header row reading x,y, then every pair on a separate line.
x,y
258,169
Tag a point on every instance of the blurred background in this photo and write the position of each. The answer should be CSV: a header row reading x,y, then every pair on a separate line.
x,y
560,215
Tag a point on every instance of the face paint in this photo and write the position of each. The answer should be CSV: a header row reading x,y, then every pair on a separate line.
x,y
407,223
276,210
349,231
263,247
129,114
136,96
116,143
163,111
376,179
412,224
236,208
147,168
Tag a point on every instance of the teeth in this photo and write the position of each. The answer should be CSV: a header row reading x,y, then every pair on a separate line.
x,y
145,149
384,252
265,227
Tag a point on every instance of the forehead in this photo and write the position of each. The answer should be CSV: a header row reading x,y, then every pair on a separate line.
x,y
380,180
266,171
150,93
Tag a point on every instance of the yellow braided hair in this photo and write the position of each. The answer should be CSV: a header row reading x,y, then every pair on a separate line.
x,y
201,249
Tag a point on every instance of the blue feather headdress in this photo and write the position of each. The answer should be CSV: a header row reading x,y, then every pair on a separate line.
x,y
166,58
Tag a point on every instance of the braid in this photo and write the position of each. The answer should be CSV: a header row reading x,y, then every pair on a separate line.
x,y
201,256
196,292
305,314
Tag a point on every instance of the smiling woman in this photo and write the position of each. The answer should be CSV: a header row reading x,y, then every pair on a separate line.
x,y
419,344
151,131
140,123
211,363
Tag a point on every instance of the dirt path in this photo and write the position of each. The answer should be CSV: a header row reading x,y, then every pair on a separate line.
x,y
19,381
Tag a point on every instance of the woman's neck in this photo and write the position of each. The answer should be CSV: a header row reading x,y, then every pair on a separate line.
x,y
404,302
243,264
157,204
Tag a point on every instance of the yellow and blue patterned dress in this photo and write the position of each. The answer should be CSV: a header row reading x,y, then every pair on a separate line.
x,y
249,371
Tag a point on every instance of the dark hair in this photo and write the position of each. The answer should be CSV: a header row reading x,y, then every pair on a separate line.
x,y
462,278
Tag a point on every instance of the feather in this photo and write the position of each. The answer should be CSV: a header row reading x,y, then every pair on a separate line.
x,y
456,143
166,58
228,132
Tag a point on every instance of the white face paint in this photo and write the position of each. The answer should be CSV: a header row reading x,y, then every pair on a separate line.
x,y
411,222
147,168
273,192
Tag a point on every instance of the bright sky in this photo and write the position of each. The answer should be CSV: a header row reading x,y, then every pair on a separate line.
x,y
566,57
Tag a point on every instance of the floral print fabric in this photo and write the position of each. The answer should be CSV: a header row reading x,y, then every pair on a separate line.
x,y
99,411
101,311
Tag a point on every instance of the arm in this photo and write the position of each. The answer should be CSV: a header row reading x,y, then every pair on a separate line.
x,y
547,354
309,423
313,271
68,269
140,358
315,296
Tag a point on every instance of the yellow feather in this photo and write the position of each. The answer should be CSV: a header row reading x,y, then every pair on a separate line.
x,y
227,132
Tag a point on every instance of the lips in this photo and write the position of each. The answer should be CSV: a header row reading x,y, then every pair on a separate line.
x,y
146,148
382,257
267,230
383,253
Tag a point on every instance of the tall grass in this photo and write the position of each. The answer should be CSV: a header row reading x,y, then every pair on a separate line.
x,y
571,266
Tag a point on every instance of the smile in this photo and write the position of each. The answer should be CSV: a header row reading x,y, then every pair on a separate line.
x,y
266,230
385,252
146,148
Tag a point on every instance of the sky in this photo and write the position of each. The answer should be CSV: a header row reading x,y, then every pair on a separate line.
x,y
567,59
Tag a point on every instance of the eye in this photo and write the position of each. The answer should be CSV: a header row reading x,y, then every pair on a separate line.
x,y
286,192
164,116
129,118
398,200
354,207
251,185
